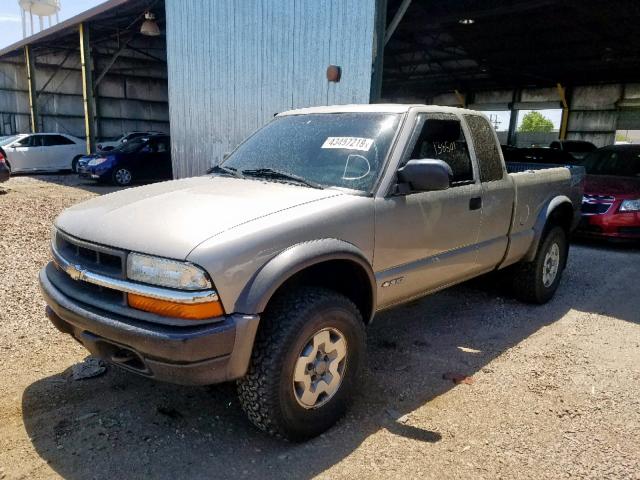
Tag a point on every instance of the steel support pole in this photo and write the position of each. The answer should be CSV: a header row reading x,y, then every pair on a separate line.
x,y
562,93
378,51
87,86
513,119
31,82
395,21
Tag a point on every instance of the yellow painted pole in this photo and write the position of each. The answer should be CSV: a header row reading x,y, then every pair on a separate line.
x,y
31,81
87,86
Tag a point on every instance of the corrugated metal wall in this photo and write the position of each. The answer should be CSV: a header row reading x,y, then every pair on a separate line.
x,y
233,64
132,95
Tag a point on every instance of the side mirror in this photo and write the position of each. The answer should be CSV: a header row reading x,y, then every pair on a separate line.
x,y
426,175
225,155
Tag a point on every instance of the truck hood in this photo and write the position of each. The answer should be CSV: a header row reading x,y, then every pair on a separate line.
x,y
170,219
612,185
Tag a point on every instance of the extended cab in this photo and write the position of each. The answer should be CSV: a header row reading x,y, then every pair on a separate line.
x,y
268,269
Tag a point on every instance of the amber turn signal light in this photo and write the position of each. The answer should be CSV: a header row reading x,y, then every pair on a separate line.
x,y
188,311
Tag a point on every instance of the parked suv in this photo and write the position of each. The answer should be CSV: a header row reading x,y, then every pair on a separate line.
x,y
578,149
109,144
268,270
537,155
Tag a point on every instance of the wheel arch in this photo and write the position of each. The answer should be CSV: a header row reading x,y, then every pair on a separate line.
x,y
331,263
558,211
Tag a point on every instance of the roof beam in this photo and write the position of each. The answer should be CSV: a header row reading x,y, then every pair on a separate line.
x,y
397,18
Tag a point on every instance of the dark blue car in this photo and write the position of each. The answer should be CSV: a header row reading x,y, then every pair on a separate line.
x,y
140,159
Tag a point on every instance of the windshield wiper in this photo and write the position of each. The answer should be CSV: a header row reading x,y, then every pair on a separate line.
x,y
278,175
228,170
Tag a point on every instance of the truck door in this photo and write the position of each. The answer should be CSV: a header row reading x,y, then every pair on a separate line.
x,y
498,193
427,240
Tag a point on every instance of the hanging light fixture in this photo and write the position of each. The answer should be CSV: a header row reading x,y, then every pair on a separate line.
x,y
150,27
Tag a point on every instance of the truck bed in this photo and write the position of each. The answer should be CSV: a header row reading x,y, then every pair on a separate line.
x,y
535,185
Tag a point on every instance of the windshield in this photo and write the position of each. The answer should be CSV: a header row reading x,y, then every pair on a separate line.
x,y
131,146
623,162
333,150
8,140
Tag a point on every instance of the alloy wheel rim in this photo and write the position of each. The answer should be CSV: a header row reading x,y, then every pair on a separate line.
x,y
320,368
123,176
551,265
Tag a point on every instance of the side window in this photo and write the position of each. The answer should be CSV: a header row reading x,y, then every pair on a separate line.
x,y
162,145
54,140
35,141
486,148
455,153
24,142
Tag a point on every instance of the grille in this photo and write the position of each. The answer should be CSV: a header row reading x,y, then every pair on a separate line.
x,y
596,204
595,208
95,258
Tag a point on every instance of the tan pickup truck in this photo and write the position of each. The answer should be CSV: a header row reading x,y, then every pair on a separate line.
x,y
268,269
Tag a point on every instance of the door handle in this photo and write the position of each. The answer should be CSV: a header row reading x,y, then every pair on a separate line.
x,y
475,203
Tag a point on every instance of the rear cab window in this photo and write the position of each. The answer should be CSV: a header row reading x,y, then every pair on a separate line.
x,y
486,148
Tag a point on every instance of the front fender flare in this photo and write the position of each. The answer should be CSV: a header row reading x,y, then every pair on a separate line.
x,y
259,290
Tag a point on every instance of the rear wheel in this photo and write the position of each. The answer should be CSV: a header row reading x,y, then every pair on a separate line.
x,y
537,281
122,177
305,363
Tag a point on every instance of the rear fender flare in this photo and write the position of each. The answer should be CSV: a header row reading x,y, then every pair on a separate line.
x,y
541,223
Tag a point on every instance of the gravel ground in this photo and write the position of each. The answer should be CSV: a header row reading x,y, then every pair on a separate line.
x,y
552,391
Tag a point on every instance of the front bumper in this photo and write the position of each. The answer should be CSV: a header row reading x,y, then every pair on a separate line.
x,y
611,225
94,173
198,355
4,173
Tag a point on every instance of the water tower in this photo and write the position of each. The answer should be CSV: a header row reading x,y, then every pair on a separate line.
x,y
41,9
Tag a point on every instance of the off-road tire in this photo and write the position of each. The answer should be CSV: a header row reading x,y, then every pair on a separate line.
x,y
527,277
266,393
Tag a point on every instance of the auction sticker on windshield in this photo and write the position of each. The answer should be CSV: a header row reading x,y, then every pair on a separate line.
x,y
350,143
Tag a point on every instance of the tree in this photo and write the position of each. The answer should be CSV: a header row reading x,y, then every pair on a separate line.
x,y
535,122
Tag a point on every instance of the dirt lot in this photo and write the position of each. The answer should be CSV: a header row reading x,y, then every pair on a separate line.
x,y
555,390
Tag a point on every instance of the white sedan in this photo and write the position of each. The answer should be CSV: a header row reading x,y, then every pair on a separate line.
x,y
43,152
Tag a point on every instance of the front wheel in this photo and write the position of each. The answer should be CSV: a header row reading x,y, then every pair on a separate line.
x,y
537,281
305,363
122,177
74,164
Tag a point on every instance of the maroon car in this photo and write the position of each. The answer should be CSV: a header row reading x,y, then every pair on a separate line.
x,y
611,202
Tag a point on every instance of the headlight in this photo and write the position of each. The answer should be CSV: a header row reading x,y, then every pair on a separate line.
x,y
96,161
630,205
166,273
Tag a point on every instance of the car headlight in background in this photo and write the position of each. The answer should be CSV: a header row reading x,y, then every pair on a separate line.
x,y
630,205
96,161
166,273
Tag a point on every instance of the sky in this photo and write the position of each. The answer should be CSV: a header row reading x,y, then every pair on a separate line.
x,y
11,21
